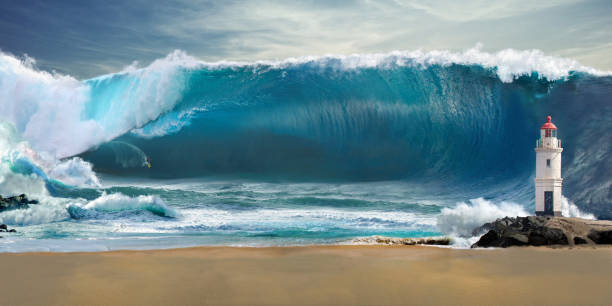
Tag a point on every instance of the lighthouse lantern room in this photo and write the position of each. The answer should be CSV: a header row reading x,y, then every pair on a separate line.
x,y
548,179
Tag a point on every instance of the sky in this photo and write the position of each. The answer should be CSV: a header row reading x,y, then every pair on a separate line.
x,y
90,38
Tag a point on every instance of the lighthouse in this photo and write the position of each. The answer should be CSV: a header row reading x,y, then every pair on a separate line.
x,y
548,179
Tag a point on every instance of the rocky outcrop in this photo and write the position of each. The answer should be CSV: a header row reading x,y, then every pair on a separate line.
x,y
601,237
17,202
538,231
402,241
4,228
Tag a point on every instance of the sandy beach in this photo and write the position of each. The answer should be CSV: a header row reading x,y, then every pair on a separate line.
x,y
322,275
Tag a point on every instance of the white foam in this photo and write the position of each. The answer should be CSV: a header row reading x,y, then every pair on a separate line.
x,y
462,219
459,242
120,202
48,109
45,108
278,219
509,63
10,182
569,209
76,172
15,183
73,171
459,222
36,214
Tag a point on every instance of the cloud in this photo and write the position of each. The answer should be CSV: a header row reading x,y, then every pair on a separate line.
x,y
481,9
89,39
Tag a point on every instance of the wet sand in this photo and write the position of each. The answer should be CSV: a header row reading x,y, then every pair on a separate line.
x,y
325,275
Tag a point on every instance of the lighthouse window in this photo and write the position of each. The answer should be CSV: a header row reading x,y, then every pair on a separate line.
x,y
547,133
548,163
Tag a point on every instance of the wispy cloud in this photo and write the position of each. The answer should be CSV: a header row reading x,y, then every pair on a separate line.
x,y
481,9
86,39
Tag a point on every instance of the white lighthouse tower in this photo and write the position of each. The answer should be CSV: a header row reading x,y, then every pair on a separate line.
x,y
548,179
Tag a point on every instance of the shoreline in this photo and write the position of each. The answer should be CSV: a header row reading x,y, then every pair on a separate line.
x,y
310,275
97,245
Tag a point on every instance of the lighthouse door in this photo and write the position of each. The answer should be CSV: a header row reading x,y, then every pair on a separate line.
x,y
548,203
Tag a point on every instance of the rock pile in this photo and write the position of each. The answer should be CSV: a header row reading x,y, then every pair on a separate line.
x,y
537,231
17,202
4,228
402,241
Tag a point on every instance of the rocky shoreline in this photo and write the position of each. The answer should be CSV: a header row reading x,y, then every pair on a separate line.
x,y
4,228
402,241
504,232
17,202
520,231
543,231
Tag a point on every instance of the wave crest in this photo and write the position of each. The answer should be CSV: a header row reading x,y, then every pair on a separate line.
x,y
35,214
462,219
63,116
119,202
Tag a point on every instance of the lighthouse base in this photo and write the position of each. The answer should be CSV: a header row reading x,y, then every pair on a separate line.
x,y
554,214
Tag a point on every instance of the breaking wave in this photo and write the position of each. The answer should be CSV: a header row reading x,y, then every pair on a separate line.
x,y
461,221
569,209
61,115
117,202
464,122
464,218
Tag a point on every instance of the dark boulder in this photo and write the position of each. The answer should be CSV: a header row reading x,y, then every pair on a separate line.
x,y
579,240
488,239
16,202
547,236
538,231
4,228
520,231
601,237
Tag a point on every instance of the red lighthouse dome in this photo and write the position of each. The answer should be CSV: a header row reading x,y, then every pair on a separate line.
x,y
548,125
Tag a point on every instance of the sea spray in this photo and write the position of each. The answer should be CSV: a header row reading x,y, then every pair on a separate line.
x,y
462,219
18,158
48,211
62,116
569,209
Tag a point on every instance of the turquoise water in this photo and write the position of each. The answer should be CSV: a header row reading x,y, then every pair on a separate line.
x,y
190,212
308,151
240,213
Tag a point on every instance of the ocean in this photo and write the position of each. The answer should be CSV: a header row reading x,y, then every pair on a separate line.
x,y
310,150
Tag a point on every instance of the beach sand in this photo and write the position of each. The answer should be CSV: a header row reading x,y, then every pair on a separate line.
x,y
321,275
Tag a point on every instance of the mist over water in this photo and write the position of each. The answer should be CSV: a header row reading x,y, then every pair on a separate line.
x,y
301,151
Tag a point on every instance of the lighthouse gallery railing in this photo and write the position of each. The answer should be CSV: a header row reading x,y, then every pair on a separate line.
x,y
554,143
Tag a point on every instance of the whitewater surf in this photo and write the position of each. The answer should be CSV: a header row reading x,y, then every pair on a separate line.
x,y
310,150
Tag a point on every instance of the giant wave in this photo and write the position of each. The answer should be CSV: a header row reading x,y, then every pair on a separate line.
x,y
464,121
